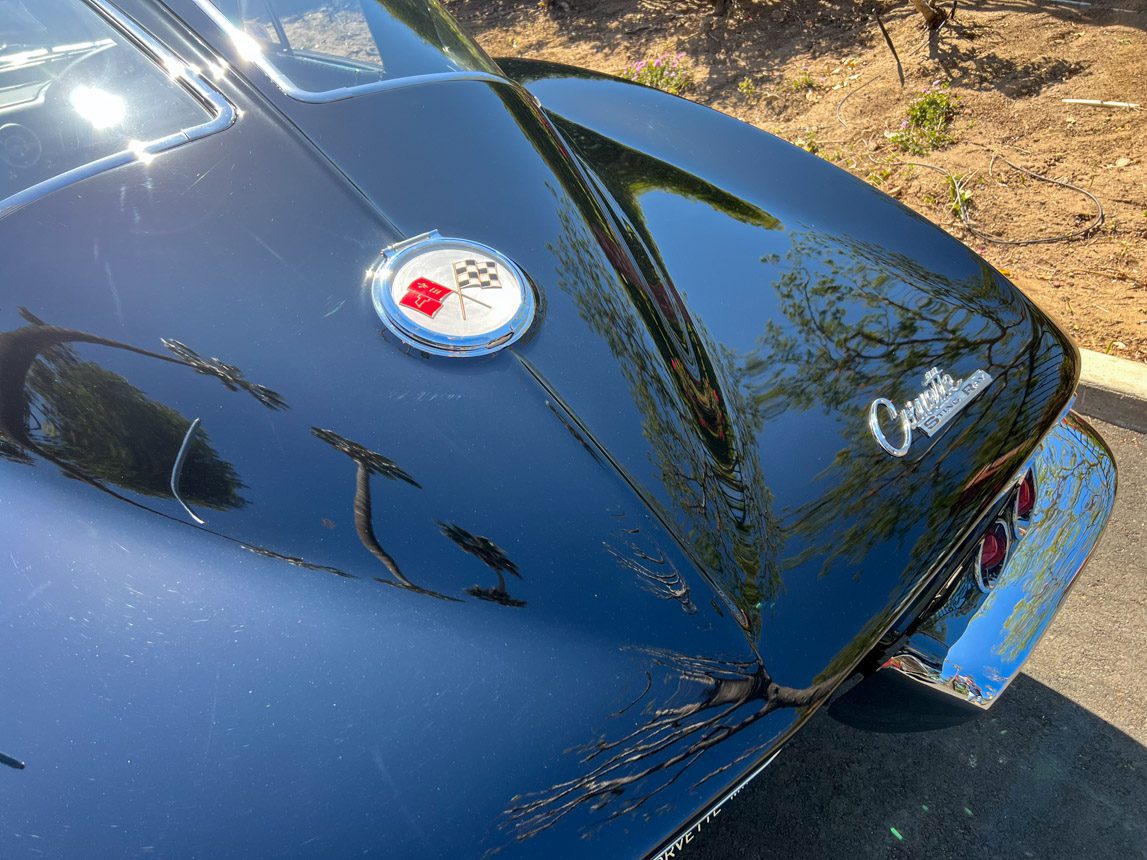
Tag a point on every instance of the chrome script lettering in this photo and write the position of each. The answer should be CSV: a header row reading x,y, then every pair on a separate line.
x,y
929,411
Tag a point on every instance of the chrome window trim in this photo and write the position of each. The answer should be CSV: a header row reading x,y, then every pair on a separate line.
x,y
238,39
224,113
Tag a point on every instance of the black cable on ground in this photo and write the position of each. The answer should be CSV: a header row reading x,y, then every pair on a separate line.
x,y
958,200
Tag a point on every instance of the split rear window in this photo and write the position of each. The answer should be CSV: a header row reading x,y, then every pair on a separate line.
x,y
317,50
76,94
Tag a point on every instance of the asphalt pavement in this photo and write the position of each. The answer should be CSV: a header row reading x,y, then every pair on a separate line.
x,y
1057,769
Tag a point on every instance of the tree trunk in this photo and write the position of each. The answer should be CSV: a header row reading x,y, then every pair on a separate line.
x,y
933,16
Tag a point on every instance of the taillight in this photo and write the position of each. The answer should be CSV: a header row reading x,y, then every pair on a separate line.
x,y
991,555
1025,497
1015,521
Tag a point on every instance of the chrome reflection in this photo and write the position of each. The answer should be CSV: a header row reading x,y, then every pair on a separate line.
x,y
972,644
177,471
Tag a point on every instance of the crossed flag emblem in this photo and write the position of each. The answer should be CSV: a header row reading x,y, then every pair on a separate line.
x,y
428,297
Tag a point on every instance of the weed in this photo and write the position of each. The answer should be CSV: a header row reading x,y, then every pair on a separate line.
x,y
879,177
808,143
804,82
672,73
927,121
757,88
959,197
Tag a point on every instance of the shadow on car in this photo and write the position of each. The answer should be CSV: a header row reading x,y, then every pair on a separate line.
x,y
1038,777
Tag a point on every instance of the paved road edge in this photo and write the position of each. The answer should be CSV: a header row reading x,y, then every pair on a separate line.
x,y
1113,390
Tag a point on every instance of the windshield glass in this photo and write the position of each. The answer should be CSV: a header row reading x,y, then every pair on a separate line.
x,y
74,90
322,47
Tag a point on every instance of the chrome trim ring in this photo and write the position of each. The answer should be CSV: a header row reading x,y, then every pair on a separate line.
x,y
500,312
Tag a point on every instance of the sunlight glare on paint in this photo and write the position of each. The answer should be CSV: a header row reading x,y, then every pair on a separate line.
x,y
99,107
140,150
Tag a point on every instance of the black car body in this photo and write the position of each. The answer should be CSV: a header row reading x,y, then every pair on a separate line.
x,y
284,583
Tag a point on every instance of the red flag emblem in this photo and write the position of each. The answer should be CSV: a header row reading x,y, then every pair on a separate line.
x,y
425,296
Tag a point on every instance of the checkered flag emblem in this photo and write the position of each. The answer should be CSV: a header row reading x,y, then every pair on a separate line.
x,y
477,273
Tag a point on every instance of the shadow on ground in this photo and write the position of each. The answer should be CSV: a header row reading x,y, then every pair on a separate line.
x,y
762,36
1038,777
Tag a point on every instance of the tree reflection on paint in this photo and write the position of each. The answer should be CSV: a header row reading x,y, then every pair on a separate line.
x,y
718,700
859,319
1089,503
848,318
491,555
368,463
95,425
698,431
657,574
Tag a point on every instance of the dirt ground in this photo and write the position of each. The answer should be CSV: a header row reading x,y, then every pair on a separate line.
x,y
820,74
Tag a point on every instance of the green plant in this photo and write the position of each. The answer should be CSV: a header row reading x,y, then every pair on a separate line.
x,y
672,73
927,122
757,88
879,177
808,143
804,82
959,197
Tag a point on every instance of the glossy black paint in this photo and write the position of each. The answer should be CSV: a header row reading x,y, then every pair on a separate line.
x,y
552,601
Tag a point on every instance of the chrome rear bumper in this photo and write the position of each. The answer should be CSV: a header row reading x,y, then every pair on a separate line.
x,y
971,643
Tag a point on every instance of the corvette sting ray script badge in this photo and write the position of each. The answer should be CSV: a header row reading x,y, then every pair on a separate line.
x,y
452,297
930,410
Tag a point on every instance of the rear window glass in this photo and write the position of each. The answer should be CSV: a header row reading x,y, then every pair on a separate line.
x,y
75,90
339,47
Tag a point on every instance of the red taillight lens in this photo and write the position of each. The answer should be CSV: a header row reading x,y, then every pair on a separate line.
x,y
994,548
1025,496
